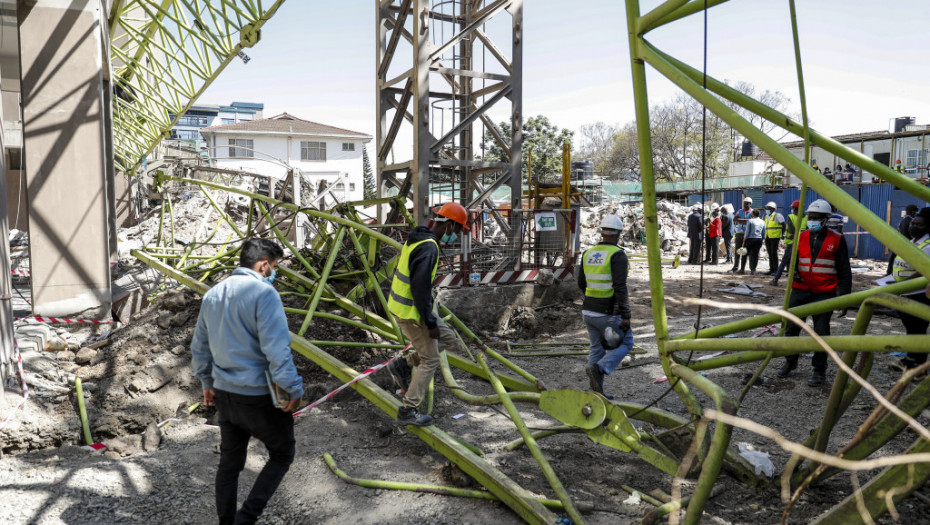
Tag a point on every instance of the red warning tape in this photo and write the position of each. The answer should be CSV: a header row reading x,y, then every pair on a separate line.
x,y
354,380
22,379
62,320
20,272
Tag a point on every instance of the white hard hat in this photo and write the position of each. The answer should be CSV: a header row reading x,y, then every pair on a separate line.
x,y
612,222
696,206
772,205
820,206
742,251
714,206
748,199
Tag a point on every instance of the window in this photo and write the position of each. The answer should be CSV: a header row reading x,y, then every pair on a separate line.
x,y
348,146
189,120
351,186
244,148
185,134
916,159
312,150
226,121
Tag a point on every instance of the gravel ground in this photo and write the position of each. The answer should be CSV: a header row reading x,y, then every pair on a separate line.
x,y
143,377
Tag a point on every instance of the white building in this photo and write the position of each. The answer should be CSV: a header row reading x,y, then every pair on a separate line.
x,y
271,146
187,128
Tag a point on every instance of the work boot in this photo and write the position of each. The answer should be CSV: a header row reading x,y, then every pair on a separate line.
x,y
774,282
595,378
741,272
817,378
400,373
411,416
786,369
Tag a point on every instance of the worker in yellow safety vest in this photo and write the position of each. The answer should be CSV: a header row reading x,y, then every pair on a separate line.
x,y
792,225
606,306
411,303
919,232
774,233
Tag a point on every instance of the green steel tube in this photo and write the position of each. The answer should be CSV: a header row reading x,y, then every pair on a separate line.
x,y
471,399
346,320
430,392
895,483
845,202
83,410
223,214
710,468
843,301
531,444
372,280
539,434
435,489
511,383
170,216
787,123
161,224
647,21
694,6
650,210
354,344
281,237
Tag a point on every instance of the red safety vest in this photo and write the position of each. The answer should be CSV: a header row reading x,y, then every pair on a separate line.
x,y
819,275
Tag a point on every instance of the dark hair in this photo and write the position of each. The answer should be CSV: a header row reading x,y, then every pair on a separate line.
x,y
924,214
755,213
911,208
255,250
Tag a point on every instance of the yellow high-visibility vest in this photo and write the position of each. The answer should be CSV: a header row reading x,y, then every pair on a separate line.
x,y
400,302
773,228
903,271
596,264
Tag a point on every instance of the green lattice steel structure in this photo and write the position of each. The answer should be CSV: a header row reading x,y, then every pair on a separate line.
x,y
711,93
165,53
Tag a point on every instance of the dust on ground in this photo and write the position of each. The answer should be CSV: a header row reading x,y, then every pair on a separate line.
x,y
141,376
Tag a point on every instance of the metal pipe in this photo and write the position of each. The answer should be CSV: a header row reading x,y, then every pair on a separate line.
x,y
82,410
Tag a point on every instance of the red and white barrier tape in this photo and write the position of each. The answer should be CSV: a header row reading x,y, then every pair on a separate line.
x,y
354,380
498,277
22,379
42,319
20,272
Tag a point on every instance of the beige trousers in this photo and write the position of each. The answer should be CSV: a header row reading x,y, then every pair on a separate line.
x,y
426,355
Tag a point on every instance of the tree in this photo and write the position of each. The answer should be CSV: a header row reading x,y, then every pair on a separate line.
x,y
597,143
368,178
542,138
773,99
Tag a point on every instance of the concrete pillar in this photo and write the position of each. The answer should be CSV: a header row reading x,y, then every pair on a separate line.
x,y
68,162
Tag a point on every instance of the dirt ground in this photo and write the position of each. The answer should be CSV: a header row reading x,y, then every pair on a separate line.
x,y
143,376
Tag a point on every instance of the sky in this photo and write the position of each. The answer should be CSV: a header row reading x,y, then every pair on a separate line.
x,y
864,63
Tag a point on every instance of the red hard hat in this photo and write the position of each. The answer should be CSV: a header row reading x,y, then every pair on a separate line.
x,y
795,204
456,212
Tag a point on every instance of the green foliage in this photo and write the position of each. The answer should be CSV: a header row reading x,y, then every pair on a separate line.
x,y
368,176
542,138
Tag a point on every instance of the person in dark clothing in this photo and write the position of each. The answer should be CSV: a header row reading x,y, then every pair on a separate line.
x,y
411,303
919,233
606,307
695,234
903,227
240,343
726,229
822,273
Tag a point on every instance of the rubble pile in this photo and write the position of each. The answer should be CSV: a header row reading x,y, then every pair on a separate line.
x,y
673,226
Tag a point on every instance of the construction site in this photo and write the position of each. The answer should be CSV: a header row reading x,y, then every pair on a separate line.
x,y
118,224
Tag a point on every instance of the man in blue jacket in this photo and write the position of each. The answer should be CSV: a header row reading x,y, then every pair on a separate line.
x,y
241,334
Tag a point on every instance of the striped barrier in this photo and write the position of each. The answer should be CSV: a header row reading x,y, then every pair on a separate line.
x,y
42,319
22,379
509,277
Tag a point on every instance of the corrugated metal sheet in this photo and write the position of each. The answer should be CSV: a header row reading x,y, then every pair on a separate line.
x,y
875,197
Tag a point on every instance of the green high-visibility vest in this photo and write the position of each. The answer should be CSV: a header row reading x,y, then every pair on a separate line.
x,y
903,271
400,302
794,221
773,228
596,264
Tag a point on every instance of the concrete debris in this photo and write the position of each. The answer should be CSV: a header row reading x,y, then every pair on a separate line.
x,y
151,438
743,289
673,226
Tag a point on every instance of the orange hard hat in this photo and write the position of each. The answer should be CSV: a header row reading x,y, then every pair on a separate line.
x,y
456,212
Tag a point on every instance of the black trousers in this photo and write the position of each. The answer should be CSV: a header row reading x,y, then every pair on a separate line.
x,y
736,246
240,418
713,250
753,246
771,247
694,250
916,325
821,325
727,237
